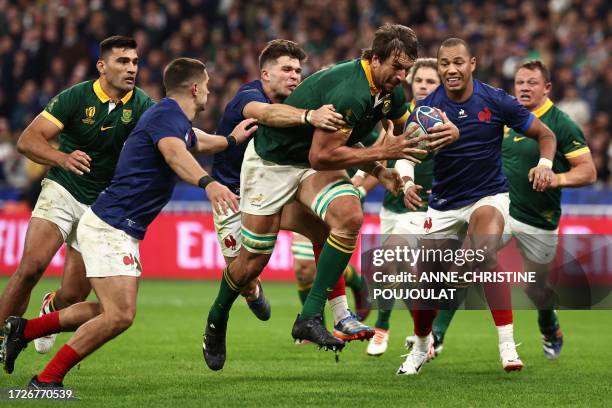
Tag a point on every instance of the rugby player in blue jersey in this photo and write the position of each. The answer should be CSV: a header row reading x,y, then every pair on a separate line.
x,y
155,153
280,65
470,192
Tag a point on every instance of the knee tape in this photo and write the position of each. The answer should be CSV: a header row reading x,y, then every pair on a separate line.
x,y
258,243
329,193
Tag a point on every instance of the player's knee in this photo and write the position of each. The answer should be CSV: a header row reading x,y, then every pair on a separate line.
x,y
349,223
121,320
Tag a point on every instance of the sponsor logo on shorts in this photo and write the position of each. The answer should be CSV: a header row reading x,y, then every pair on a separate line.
x,y
129,260
427,224
256,200
230,242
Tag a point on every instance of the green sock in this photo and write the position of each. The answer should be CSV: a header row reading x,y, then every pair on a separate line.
x,y
352,278
548,321
382,322
442,321
228,293
444,317
334,258
303,293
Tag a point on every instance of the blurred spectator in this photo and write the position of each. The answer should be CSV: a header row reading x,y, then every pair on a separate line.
x,y
574,106
48,46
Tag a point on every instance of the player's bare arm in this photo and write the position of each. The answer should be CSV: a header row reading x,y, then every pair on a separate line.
x,y
210,144
542,175
34,144
330,152
189,170
582,173
281,115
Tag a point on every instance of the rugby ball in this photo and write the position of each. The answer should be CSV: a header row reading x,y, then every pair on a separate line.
x,y
426,117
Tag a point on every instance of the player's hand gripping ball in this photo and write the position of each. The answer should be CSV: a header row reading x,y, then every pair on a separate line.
x,y
424,117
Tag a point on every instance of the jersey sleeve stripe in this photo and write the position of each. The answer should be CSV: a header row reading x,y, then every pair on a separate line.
x,y
527,124
52,119
401,120
576,153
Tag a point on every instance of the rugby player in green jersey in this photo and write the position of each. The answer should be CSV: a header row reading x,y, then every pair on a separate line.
x,y
534,216
395,217
91,121
308,165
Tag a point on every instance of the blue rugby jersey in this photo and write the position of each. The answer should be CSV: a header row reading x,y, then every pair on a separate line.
x,y
471,168
143,181
227,164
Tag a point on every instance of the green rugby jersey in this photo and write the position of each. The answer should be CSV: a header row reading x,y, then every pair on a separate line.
x,y
520,154
82,114
423,175
350,88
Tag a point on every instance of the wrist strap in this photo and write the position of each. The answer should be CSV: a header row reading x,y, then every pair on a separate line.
x,y
545,162
205,181
309,116
360,173
231,141
377,169
408,184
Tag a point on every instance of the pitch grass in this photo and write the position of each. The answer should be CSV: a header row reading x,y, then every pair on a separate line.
x,y
158,361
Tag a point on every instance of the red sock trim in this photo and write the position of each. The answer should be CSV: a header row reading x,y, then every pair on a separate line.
x,y
339,289
42,326
502,317
499,298
317,252
58,367
423,320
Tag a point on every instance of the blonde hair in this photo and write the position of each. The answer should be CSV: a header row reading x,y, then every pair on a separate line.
x,y
421,63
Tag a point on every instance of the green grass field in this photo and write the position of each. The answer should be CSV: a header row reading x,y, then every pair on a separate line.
x,y
158,362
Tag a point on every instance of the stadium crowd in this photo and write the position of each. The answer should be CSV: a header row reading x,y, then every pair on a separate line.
x,y
47,46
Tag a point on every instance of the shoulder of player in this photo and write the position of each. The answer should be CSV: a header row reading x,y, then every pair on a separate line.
x,y
487,91
77,90
560,122
252,90
166,110
346,74
140,95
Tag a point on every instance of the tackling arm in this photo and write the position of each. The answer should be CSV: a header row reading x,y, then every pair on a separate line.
x,y
189,170
281,115
211,144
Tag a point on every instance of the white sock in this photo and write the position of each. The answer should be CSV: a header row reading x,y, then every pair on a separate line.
x,y
422,343
253,296
339,307
506,333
